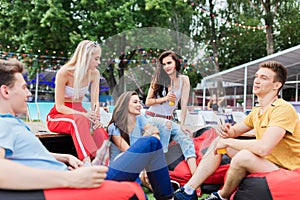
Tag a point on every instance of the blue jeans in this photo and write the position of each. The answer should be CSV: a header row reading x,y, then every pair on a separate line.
x,y
175,133
145,153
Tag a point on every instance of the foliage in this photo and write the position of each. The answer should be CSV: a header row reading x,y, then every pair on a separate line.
x,y
235,28
288,26
54,28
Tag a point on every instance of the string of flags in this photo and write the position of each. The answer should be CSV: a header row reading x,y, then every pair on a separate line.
x,y
54,62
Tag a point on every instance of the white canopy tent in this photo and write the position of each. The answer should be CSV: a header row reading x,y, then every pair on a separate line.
x,y
244,74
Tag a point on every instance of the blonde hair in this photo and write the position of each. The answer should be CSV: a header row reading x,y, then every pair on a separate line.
x,y
80,62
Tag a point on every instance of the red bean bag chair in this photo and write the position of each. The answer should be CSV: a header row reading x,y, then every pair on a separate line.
x,y
281,184
109,190
179,170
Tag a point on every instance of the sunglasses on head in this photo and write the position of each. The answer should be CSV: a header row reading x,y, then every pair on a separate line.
x,y
93,43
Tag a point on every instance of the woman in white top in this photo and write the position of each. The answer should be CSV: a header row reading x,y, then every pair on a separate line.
x,y
68,116
166,89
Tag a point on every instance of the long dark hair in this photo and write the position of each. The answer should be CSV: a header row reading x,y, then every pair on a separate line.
x,y
161,79
120,114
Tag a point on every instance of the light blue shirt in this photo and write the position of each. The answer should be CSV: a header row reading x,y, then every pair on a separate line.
x,y
22,146
137,132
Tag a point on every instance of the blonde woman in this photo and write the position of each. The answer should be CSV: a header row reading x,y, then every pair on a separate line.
x,y
68,116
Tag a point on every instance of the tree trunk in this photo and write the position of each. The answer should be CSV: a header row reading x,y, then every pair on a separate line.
x,y
109,76
213,36
270,40
269,21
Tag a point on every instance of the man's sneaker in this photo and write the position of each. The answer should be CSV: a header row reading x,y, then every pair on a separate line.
x,y
213,196
181,195
175,185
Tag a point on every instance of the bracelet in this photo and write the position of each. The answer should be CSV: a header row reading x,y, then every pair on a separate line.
x,y
148,132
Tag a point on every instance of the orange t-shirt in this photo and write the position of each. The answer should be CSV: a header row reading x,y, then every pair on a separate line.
x,y
281,114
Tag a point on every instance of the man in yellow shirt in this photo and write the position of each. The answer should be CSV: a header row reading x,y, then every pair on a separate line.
x,y
277,143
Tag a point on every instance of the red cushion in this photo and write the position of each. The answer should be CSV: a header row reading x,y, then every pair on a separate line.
x,y
280,184
181,173
109,190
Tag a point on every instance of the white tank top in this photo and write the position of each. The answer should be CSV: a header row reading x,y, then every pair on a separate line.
x,y
70,92
164,108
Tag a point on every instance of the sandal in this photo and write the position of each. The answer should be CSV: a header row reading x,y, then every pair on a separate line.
x,y
145,181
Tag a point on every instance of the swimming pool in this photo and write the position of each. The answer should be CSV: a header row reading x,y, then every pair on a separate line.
x,y
40,110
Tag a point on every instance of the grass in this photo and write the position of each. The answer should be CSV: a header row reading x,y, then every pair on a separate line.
x,y
151,197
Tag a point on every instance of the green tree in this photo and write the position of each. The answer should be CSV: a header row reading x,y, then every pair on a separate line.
x,y
109,19
272,12
240,31
287,34
54,27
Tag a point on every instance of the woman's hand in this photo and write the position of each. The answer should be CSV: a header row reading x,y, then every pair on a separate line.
x,y
186,130
151,130
171,96
96,124
92,115
94,118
